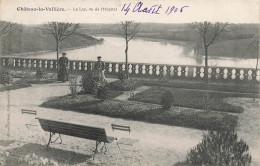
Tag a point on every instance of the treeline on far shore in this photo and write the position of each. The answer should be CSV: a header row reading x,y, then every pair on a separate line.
x,y
29,39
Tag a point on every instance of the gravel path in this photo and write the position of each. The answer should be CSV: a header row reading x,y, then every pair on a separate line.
x,y
127,94
157,144
248,127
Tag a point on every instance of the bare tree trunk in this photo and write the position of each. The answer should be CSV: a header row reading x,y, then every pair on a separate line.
x,y
20,42
4,41
10,42
126,60
57,50
8,111
255,76
206,65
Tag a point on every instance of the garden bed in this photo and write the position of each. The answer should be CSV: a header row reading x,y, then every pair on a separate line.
x,y
127,85
191,99
201,85
152,113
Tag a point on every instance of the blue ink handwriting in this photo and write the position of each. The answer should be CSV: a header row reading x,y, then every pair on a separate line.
x,y
155,9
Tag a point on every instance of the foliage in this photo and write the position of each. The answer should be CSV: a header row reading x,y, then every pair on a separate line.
x,y
167,100
121,76
220,148
5,76
33,159
40,74
191,99
3,156
89,82
102,92
146,112
73,84
206,100
127,85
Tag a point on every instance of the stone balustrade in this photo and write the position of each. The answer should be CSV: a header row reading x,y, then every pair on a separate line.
x,y
140,69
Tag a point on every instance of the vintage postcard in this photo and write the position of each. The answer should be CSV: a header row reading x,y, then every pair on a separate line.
x,y
129,82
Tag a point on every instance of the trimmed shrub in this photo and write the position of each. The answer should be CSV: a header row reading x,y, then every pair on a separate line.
x,y
5,76
220,148
40,74
89,82
102,92
167,100
121,76
73,84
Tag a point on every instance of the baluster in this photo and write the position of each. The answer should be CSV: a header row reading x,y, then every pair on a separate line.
x,y
241,74
250,75
185,72
202,71
143,70
164,71
225,74
258,75
136,69
157,68
130,68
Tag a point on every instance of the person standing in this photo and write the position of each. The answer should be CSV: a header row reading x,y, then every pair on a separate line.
x,y
100,68
63,68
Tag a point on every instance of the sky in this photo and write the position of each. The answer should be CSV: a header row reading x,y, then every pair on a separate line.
x,y
233,11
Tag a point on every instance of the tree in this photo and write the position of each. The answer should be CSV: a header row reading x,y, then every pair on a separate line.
x,y
60,31
253,50
208,32
5,27
128,30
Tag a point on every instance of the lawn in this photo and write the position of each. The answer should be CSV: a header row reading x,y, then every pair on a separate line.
x,y
24,80
152,113
191,99
201,85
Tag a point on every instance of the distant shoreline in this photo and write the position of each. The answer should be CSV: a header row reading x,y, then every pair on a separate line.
x,y
186,45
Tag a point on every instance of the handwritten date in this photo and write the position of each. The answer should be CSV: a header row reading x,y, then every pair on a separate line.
x,y
155,9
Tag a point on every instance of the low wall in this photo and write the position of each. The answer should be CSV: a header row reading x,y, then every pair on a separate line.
x,y
141,69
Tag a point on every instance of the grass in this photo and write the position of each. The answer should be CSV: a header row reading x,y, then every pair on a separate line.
x,y
200,85
190,99
25,80
127,85
13,86
145,112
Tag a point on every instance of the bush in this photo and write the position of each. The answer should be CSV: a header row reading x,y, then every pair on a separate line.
x,y
73,84
40,74
89,82
167,100
5,76
102,92
122,76
220,148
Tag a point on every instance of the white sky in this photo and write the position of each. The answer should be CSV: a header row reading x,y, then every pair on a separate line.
x,y
235,11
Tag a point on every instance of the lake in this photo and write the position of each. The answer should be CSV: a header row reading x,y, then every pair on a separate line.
x,y
147,51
